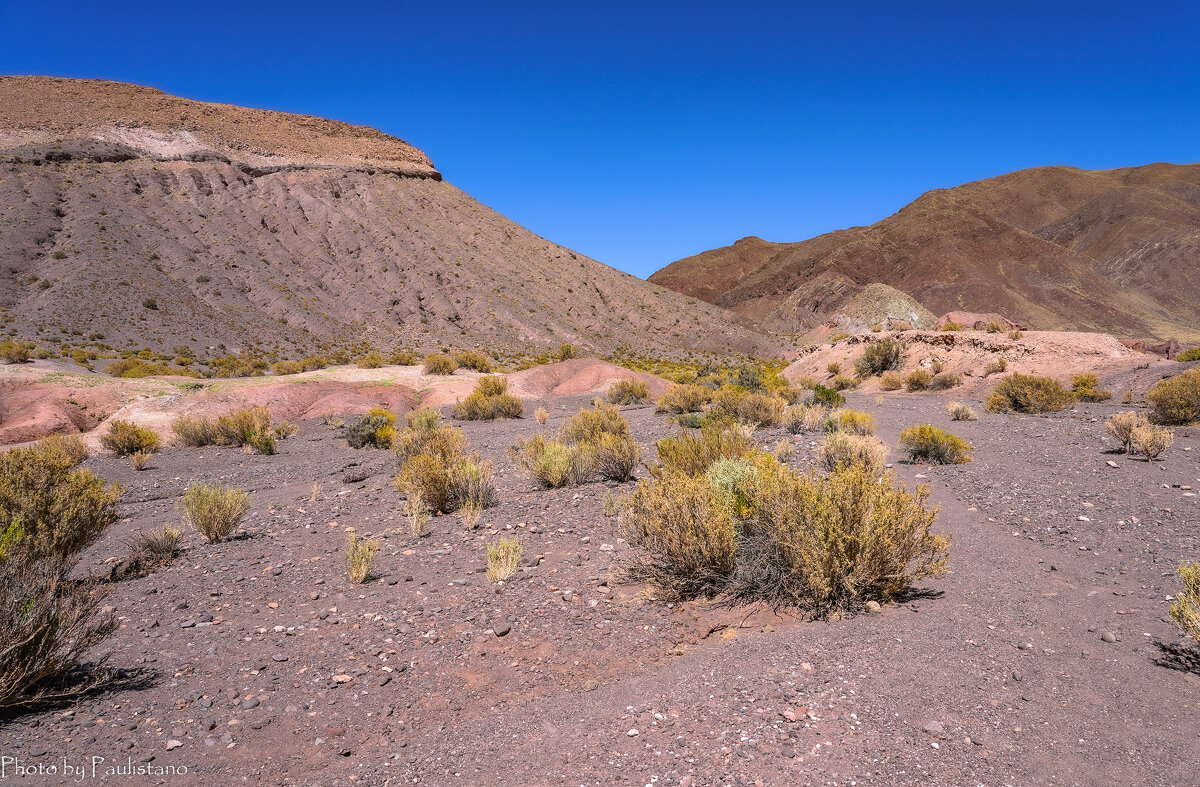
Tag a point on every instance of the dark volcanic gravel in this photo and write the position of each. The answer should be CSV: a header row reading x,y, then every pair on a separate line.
x,y
1044,657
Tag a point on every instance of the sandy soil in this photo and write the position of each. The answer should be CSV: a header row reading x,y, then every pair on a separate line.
x,y
1044,657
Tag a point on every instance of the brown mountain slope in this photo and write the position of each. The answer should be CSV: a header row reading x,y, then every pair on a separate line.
x,y
158,221
1054,247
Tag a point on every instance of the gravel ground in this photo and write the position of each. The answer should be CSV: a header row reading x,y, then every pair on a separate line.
x,y
1044,657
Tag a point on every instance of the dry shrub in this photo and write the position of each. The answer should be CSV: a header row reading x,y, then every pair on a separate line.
x,y
67,448
149,550
567,351
683,399
628,392
469,514
804,382
553,462
960,412
593,442
417,512
1016,335
404,358
1027,393
995,367
932,444
834,368
503,559
995,326
213,511
951,326
140,459
541,416
193,431
15,352
840,449
1186,609
490,400
890,381
917,380
314,362
375,428
439,363
692,452
1150,441
1121,426
844,383
852,421
783,451
803,418
283,368
473,359
943,381
50,512
754,531
125,437
1086,388
247,426
879,357
435,467
757,409
1177,400
614,458
360,555
371,360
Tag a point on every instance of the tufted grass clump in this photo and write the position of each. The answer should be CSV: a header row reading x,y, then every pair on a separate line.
x,y
749,407
628,392
960,412
125,437
503,559
925,443
850,421
435,466
943,381
840,449
213,511
1176,401
1122,426
489,401
247,426
799,418
891,381
679,399
917,380
474,360
1027,393
360,557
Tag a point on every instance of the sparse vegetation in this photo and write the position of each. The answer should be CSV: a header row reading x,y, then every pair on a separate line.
x,y
1176,400
1189,355
917,380
248,426
943,381
890,381
1150,441
15,352
371,360
490,400
932,444
692,452
503,559
125,437
475,360
1122,426
834,368
997,366
995,326
360,556
628,392
376,428
1026,393
828,396
748,407
149,550
800,418
951,326
404,358
593,442
439,363
841,449
541,416
850,421
213,511
435,466
140,459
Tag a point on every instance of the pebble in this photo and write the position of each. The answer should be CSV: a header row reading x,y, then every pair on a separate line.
x,y
1108,636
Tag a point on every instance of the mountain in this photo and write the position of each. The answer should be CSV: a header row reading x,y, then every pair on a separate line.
x,y
1052,247
158,221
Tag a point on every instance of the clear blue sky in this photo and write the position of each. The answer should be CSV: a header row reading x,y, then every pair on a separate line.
x,y
640,132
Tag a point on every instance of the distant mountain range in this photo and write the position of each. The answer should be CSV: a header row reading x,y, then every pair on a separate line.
x,y
1052,247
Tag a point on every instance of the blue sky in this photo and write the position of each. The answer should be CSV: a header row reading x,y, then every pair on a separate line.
x,y
641,132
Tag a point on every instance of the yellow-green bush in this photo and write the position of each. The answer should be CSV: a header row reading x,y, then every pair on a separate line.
x,y
15,352
435,467
842,448
473,359
933,444
247,426
375,428
692,452
404,358
371,360
1186,609
804,418
852,421
1086,388
593,442
125,437
890,381
879,357
917,380
490,400
1027,393
1177,400
943,381
628,392
747,407
213,511
283,368
438,363
683,399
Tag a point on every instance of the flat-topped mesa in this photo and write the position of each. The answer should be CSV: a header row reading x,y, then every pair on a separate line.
x,y
49,118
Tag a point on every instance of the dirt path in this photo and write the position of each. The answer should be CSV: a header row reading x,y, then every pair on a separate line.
x,y
997,675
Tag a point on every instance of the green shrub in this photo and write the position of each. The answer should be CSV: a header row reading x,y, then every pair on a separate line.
x,y
436,469
371,360
748,407
1086,388
490,400
692,453
1176,400
1026,393
437,363
932,444
828,396
248,426
593,442
314,363
567,351
213,511
125,437
944,381
1189,355
404,358
14,352
879,357
283,368
628,392
683,399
